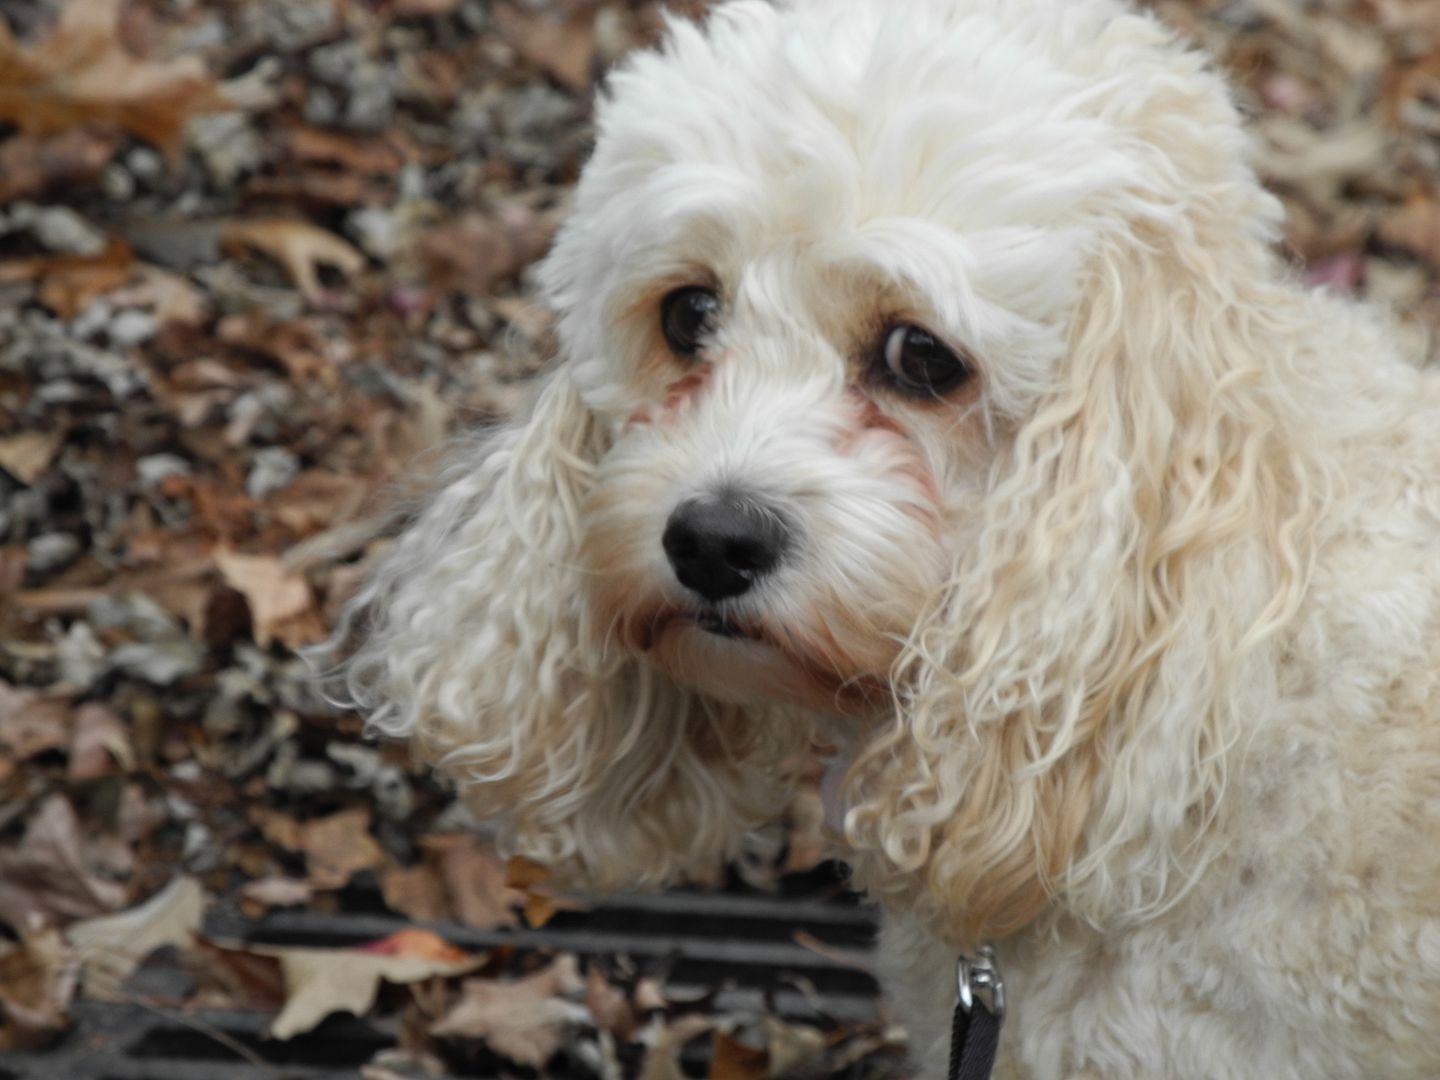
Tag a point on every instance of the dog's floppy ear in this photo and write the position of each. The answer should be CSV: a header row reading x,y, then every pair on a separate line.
x,y
475,644
1065,706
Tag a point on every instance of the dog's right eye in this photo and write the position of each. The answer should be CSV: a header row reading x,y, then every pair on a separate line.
x,y
687,317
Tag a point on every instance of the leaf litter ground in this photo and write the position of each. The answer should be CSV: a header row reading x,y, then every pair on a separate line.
x,y
258,261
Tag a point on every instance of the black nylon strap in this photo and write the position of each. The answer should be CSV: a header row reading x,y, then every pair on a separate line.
x,y
974,1038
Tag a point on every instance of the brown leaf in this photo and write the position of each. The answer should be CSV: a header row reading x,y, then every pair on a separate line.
x,y
562,43
298,247
609,1008
31,725
82,75
67,283
233,977
34,166
662,1060
524,873
320,982
338,847
38,977
28,456
731,1059
52,873
475,880
1415,228
791,1047
476,251
272,892
281,603
99,744
375,156
112,946
415,892
522,1020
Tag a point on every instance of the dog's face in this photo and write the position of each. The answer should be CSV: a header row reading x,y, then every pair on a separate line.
x,y
908,355
812,286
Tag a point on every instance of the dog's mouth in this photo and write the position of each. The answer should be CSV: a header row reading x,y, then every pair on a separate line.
x,y
718,625
712,622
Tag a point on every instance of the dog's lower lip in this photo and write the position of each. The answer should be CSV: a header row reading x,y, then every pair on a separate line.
x,y
720,627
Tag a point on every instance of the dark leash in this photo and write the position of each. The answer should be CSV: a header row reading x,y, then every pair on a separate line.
x,y
976,1031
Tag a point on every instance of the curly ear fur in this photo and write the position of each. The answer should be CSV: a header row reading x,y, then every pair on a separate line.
x,y
1066,705
477,647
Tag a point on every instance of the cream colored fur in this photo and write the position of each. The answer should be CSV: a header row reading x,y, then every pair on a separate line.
x,y
1133,644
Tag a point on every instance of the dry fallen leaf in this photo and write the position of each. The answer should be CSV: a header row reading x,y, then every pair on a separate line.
x,y
53,872
320,982
30,165
541,902
67,283
83,75
1414,228
522,1020
415,892
298,247
338,847
99,744
281,603
27,456
475,879
562,44
790,1047
30,724
38,978
665,1041
731,1059
112,946
609,1007
272,892
475,251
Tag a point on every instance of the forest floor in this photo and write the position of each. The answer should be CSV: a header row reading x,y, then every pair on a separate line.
x,y
258,260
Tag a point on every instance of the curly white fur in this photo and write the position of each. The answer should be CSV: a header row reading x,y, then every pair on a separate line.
x,y
1134,641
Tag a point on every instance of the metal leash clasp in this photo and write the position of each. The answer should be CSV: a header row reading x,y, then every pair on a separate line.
x,y
979,974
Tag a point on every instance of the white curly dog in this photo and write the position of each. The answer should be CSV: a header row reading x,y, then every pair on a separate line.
x,y
929,386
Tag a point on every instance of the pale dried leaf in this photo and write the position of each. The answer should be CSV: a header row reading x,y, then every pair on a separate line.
x,y
522,1020
31,725
27,456
274,892
99,744
112,946
52,874
298,247
415,892
319,982
791,1046
562,43
282,604
338,847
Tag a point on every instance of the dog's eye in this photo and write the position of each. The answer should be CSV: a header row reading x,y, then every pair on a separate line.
x,y
687,316
917,364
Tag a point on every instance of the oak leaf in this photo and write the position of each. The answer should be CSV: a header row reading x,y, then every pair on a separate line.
x,y
298,247
82,75
319,982
523,1020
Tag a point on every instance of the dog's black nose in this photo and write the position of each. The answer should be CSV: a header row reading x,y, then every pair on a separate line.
x,y
720,545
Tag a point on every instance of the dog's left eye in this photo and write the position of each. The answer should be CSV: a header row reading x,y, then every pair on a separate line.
x,y
918,364
687,316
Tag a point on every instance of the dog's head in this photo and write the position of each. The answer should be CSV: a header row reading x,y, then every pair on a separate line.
x,y
894,342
